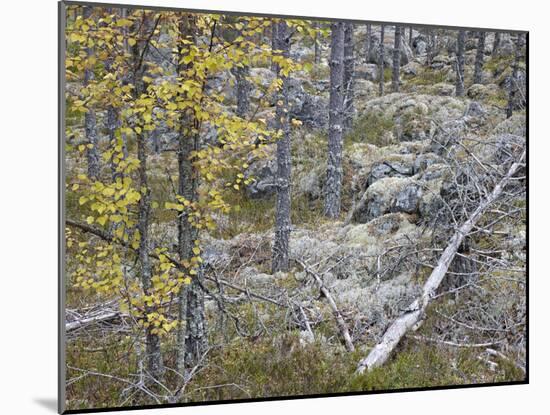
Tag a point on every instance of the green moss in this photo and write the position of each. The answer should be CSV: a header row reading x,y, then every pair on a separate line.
x,y
497,64
387,74
500,99
369,128
278,364
279,367
427,76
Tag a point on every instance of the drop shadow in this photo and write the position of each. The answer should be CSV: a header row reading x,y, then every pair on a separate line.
x,y
48,403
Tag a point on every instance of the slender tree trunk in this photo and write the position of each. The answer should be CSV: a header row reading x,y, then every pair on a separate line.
x,y
410,37
349,76
334,164
513,87
381,62
154,363
429,48
273,43
496,44
368,42
280,258
396,59
191,339
90,123
460,63
478,65
243,90
317,50
112,123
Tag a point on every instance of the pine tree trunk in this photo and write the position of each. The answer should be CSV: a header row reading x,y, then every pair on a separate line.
x,y
317,49
153,357
368,42
243,90
460,63
410,37
274,43
280,257
496,44
349,78
513,88
478,65
396,59
191,339
381,62
429,48
90,123
336,103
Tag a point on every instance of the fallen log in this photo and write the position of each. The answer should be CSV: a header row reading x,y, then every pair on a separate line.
x,y
416,310
101,318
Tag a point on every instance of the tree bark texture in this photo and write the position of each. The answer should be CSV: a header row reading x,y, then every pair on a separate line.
x,y
381,62
460,63
154,364
396,59
274,42
496,44
478,65
90,122
349,76
429,47
283,226
242,90
336,104
514,87
317,46
368,42
191,339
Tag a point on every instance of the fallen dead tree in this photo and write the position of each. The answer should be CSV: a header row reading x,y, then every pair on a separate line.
x,y
83,322
414,314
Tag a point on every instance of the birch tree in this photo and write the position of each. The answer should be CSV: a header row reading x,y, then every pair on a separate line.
x,y
336,104
143,29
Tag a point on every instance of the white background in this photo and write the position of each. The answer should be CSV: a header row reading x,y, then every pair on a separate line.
x,y
28,204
